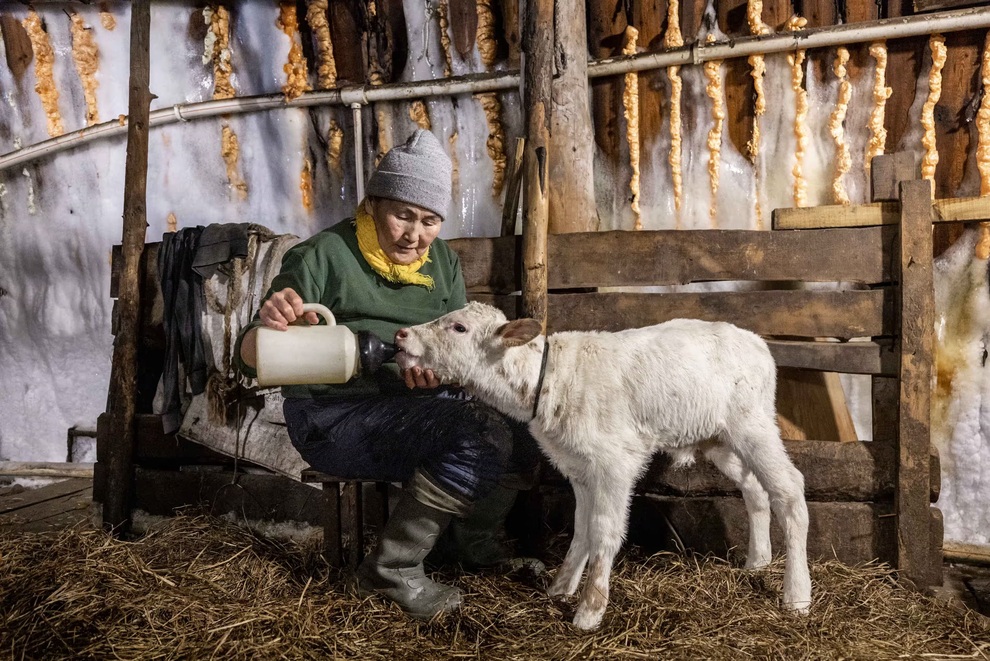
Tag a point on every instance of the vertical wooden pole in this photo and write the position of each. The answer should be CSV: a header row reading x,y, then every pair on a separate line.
x,y
917,322
122,400
537,79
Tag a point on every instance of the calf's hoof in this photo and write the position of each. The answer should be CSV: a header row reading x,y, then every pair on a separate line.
x,y
588,619
798,607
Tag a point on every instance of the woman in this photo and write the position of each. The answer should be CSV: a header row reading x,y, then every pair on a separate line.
x,y
458,459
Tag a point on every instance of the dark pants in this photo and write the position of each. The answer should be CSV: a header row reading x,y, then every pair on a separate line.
x,y
463,447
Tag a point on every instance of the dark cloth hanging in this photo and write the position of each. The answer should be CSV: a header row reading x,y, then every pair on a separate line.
x,y
185,259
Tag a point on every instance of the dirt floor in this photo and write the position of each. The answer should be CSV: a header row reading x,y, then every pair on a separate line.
x,y
201,587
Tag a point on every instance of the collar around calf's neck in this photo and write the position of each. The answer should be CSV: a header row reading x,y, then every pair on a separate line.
x,y
543,371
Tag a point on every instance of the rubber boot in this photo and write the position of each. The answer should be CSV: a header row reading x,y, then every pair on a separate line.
x,y
475,542
394,569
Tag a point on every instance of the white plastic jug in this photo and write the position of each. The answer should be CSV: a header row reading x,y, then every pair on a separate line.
x,y
303,355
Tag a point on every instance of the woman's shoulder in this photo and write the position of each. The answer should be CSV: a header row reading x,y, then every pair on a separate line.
x,y
335,237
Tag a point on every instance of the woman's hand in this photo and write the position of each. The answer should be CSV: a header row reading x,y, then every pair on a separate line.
x,y
417,377
283,308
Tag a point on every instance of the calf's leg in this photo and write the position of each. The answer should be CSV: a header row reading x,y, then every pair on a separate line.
x,y
756,499
608,520
569,574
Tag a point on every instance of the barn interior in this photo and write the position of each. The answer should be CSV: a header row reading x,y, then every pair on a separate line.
x,y
738,160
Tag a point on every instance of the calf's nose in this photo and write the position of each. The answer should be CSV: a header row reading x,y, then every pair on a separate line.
x,y
401,334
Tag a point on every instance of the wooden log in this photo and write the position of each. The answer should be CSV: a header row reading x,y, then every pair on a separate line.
x,y
917,321
510,206
538,75
571,150
16,45
886,173
123,378
844,314
967,554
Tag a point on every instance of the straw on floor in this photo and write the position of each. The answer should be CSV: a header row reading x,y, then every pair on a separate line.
x,y
201,587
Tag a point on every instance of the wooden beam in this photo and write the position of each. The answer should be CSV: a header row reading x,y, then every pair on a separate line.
x,y
538,77
796,312
45,469
946,210
917,321
842,357
122,400
886,173
939,5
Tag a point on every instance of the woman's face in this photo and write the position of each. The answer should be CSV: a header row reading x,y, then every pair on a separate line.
x,y
405,231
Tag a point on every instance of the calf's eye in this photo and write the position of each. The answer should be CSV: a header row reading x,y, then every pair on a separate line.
x,y
460,328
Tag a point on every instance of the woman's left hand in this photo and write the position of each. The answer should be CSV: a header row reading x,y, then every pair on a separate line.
x,y
417,377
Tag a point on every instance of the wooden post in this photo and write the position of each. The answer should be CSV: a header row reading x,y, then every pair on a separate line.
x,y
538,75
122,401
917,322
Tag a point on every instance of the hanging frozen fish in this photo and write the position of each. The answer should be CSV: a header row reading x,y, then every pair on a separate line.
x,y
326,68
44,72
983,123
754,16
930,158
630,104
87,57
713,74
843,161
878,134
673,39
796,60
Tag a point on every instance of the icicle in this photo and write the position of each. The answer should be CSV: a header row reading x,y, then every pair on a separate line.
x,y
754,16
673,39
983,123
44,72
87,58
32,209
796,60
843,161
630,103
713,74
878,134
930,159
295,68
326,70
455,167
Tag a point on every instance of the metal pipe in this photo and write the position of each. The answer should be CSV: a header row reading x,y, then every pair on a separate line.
x,y
358,151
891,28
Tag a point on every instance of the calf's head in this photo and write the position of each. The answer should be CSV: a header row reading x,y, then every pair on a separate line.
x,y
462,343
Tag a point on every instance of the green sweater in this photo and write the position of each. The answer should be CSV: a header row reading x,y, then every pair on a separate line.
x,y
329,268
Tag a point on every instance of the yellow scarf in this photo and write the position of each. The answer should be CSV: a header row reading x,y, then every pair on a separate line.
x,y
405,274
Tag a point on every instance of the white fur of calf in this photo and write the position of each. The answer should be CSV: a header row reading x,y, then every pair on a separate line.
x,y
609,401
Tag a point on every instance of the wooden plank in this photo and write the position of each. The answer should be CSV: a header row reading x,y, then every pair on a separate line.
x,y
333,542
842,357
946,210
490,265
917,315
46,469
510,205
123,378
258,496
938,5
666,257
51,514
851,532
887,171
31,497
845,314
860,471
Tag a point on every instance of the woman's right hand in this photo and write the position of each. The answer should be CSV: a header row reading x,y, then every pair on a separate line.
x,y
283,308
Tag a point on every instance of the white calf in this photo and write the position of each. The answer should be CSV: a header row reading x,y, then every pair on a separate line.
x,y
601,404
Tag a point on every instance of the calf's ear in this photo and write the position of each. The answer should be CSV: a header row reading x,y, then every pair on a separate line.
x,y
518,332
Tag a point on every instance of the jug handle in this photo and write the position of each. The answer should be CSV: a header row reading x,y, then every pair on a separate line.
x,y
321,310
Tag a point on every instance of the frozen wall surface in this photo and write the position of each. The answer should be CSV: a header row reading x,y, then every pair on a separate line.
x,y
293,171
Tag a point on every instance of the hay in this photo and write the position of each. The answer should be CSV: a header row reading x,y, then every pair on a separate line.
x,y
200,587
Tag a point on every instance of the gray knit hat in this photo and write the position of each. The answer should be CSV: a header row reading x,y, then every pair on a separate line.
x,y
417,172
